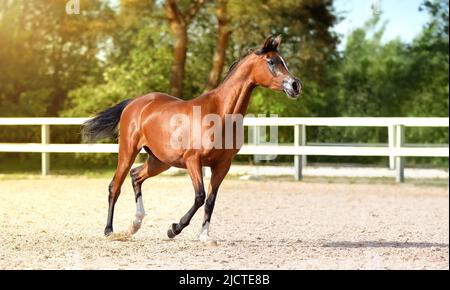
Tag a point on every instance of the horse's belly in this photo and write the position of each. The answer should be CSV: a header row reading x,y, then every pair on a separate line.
x,y
162,149
215,156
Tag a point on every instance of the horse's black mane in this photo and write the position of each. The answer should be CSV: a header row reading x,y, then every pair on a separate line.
x,y
234,64
270,45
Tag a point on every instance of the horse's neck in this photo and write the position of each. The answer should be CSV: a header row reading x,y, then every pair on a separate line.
x,y
233,95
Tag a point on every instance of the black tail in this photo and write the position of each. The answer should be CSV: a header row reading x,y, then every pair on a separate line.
x,y
104,124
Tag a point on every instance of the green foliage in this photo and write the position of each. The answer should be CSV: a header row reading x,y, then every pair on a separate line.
x,y
308,46
373,78
430,57
393,79
54,64
136,75
45,53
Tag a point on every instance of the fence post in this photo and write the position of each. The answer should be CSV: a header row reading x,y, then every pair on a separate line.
x,y
303,143
391,145
256,134
203,171
400,161
299,140
45,156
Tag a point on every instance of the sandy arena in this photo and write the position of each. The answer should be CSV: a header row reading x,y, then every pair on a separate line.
x,y
57,223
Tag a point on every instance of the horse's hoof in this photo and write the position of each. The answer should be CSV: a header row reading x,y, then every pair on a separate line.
x,y
211,243
207,240
135,226
108,231
203,238
132,229
171,233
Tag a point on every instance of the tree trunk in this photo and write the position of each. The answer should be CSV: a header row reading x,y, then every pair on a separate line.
x,y
179,22
179,32
221,44
58,93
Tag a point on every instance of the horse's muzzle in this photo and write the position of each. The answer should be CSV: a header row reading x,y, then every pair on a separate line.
x,y
292,87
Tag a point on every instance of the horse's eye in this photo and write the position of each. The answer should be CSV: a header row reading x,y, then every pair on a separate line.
x,y
270,62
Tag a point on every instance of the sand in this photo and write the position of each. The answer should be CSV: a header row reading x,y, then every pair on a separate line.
x,y
57,223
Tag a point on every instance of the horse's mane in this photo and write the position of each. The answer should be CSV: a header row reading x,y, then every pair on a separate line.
x,y
270,45
235,64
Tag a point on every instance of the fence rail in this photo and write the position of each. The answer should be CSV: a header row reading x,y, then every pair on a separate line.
x,y
396,148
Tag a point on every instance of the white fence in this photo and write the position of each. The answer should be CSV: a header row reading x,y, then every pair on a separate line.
x,y
396,148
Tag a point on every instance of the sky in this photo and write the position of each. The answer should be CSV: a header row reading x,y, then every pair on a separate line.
x,y
404,20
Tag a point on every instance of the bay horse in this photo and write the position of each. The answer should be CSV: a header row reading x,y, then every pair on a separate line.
x,y
145,123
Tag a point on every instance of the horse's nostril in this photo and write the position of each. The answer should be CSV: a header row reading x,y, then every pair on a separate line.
x,y
295,86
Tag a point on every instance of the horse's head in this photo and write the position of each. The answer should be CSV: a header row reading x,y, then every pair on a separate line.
x,y
270,69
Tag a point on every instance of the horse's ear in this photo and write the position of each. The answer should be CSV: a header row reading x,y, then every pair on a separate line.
x,y
271,44
276,42
268,43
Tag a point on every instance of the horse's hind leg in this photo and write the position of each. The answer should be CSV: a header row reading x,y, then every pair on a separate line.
x,y
150,168
127,155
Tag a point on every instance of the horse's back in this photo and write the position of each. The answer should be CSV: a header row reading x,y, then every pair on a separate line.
x,y
135,110
140,108
145,100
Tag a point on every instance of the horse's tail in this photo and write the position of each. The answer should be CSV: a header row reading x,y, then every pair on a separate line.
x,y
104,125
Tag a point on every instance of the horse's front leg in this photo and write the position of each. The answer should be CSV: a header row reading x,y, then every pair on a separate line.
x,y
218,173
194,168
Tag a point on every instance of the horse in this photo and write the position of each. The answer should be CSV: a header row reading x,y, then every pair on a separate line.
x,y
145,123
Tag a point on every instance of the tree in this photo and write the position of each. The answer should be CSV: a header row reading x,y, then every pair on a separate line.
x,y
45,53
179,23
392,79
374,77
309,44
223,37
137,60
429,75
430,63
